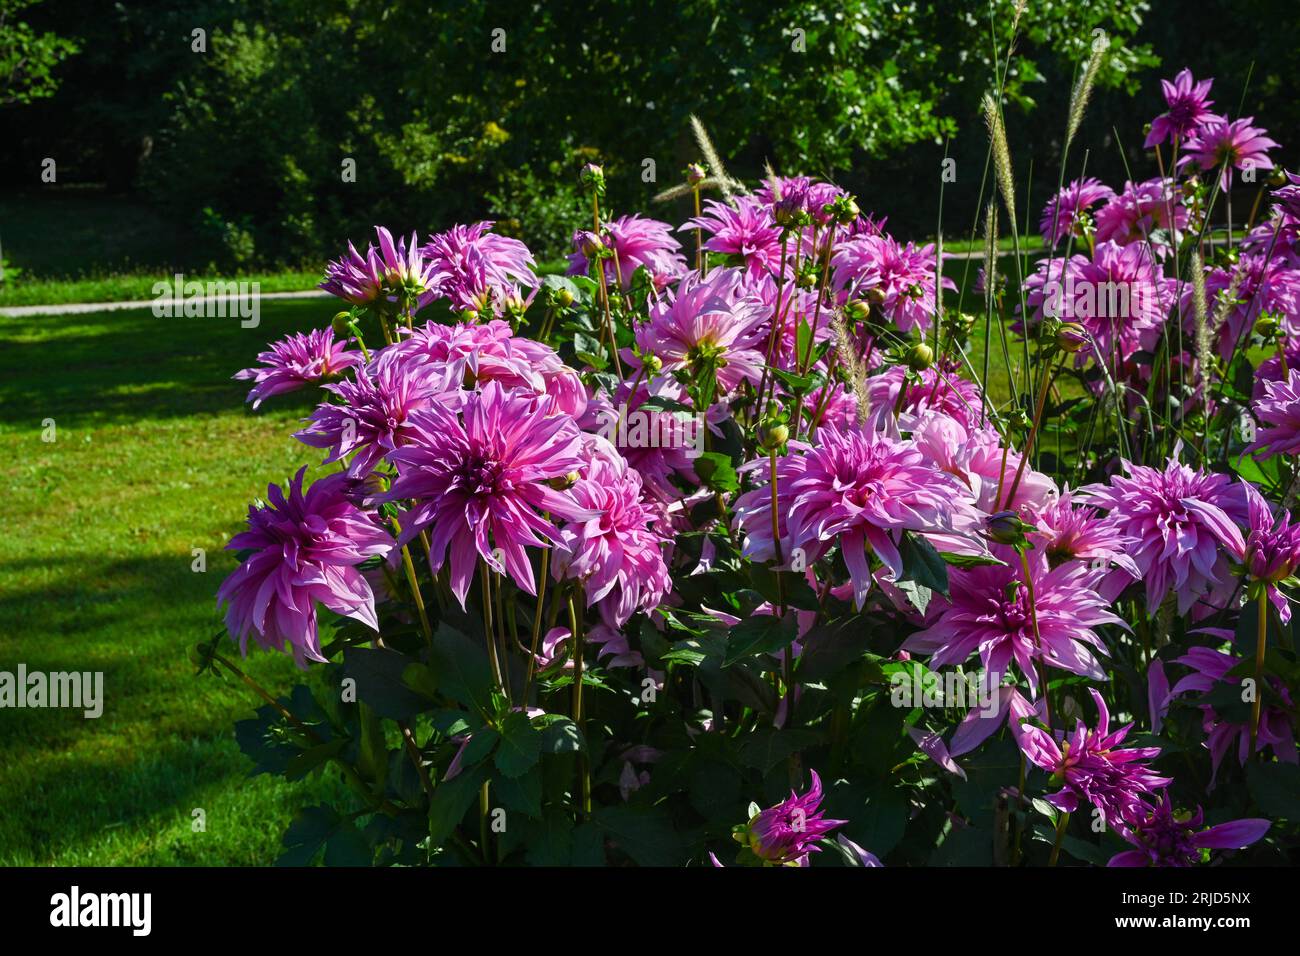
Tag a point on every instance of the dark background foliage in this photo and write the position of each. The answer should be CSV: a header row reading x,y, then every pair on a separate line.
x,y
241,146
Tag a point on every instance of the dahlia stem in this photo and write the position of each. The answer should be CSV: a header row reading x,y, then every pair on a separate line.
x,y
699,236
501,632
537,623
806,361
1038,645
1261,641
604,290
584,770
1061,824
409,565
776,325
485,585
1033,430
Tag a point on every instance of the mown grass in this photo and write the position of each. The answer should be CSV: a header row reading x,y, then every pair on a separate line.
x,y
155,455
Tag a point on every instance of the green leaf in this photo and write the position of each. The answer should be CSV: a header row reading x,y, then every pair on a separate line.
x,y
314,828
716,472
451,798
561,736
759,634
923,564
969,560
765,749
644,834
521,745
1275,788
522,794
379,676
463,671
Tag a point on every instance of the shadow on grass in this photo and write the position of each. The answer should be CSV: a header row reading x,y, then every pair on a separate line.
x,y
165,741
113,367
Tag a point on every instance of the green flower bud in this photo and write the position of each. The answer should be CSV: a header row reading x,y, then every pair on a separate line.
x,y
919,357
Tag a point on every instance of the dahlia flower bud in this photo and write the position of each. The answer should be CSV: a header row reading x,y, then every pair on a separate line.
x,y
1266,326
469,316
857,311
563,298
1071,336
563,482
876,295
1005,527
773,436
1278,177
653,364
695,174
340,323
784,835
590,244
592,176
919,357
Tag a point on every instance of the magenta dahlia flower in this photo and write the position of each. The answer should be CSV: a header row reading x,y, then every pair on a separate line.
x,y
478,269
1090,766
988,612
305,549
1279,410
477,353
1272,553
1210,669
480,475
941,389
785,834
1139,210
1189,106
856,489
1185,522
708,320
1166,838
616,554
1061,214
376,417
1070,533
295,361
902,275
1218,143
1258,284
636,241
745,231
1121,298
396,271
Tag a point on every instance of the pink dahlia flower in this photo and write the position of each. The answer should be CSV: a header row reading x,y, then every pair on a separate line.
x,y
709,320
1262,284
1061,214
1279,411
745,231
1070,533
1230,145
1166,838
988,612
1185,523
636,241
478,269
941,389
305,549
295,361
785,834
1210,669
1139,210
375,418
1189,106
1272,553
490,352
480,475
1090,766
393,270
903,275
858,489
615,553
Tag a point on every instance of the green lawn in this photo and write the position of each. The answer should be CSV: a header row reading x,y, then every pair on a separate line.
x,y
155,455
